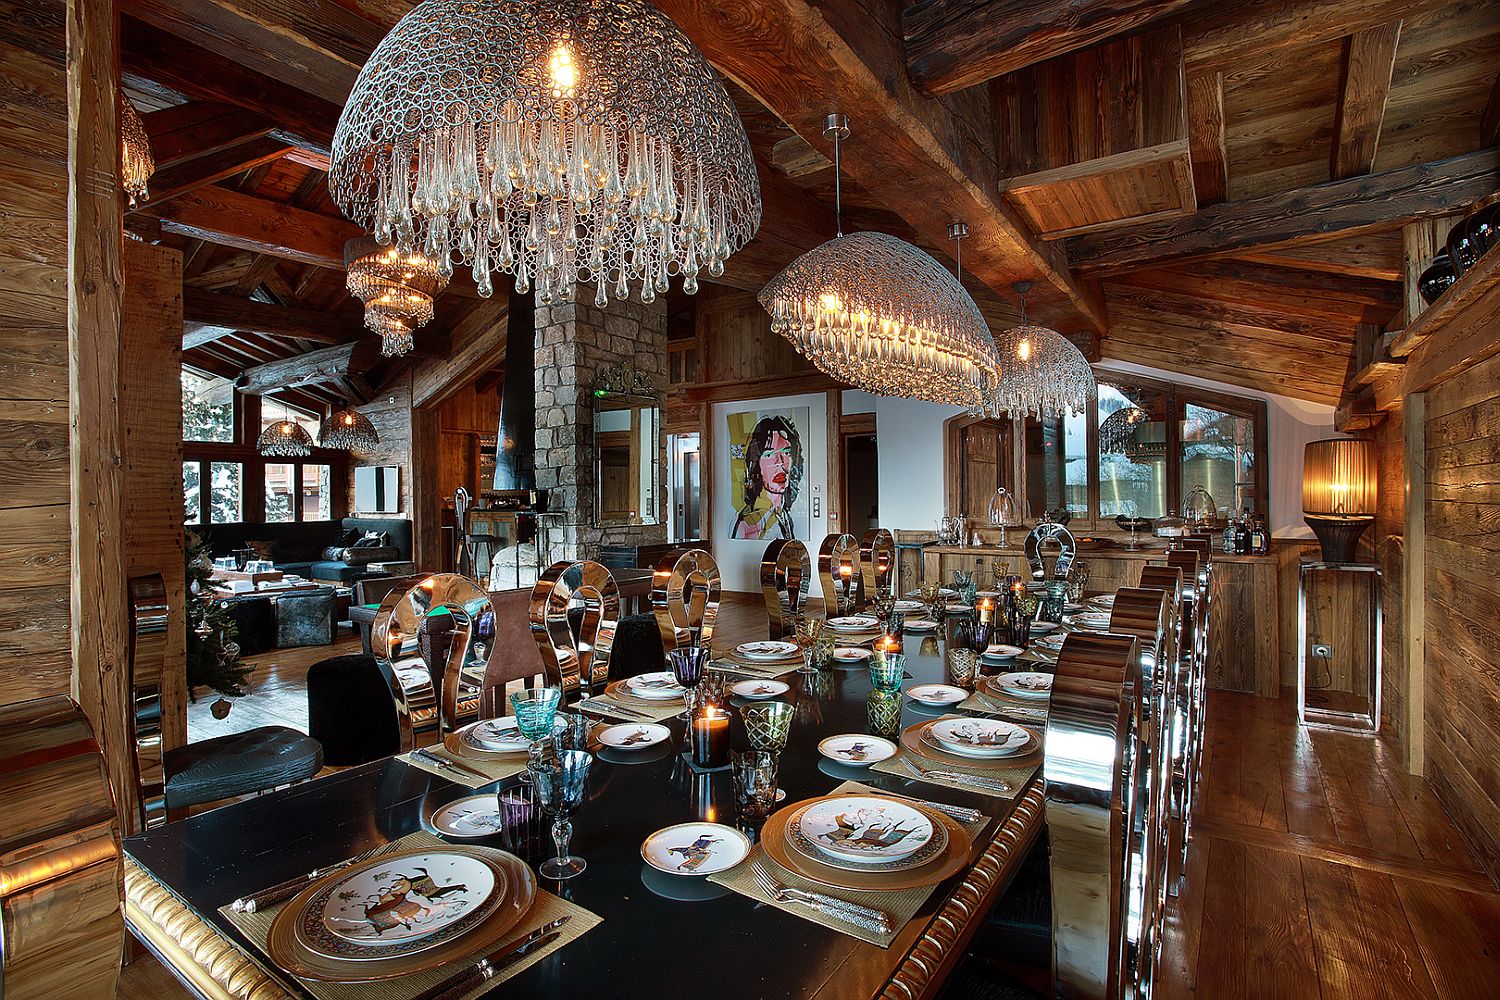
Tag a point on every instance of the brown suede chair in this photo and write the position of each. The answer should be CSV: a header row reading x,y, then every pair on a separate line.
x,y
516,654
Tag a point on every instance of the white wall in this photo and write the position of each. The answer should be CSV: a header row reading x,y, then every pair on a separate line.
x,y
738,558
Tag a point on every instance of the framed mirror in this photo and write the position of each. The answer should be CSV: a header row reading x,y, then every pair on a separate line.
x,y
627,459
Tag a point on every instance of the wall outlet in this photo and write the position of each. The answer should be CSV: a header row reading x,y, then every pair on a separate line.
x,y
1322,649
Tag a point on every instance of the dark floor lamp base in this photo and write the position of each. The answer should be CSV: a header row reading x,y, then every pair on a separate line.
x,y
1339,536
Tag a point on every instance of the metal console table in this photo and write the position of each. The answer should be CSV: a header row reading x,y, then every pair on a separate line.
x,y
1361,714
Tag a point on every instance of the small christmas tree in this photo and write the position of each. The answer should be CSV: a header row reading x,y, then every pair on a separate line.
x,y
213,657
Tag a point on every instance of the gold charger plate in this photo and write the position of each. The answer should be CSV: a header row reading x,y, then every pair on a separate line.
x,y
953,858
911,741
289,953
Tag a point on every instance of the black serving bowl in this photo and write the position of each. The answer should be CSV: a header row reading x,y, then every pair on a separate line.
x,y
1463,250
1484,227
1438,277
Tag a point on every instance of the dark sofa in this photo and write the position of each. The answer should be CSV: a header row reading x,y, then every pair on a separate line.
x,y
299,546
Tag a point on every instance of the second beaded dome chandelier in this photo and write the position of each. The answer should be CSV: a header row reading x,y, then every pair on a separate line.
x,y
561,142
877,313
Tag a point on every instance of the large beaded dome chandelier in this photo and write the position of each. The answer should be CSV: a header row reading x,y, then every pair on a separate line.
x,y
875,312
284,439
348,430
397,290
560,142
136,162
1041,373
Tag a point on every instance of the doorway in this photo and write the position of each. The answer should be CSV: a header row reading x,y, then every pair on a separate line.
x,y
684,488
861,468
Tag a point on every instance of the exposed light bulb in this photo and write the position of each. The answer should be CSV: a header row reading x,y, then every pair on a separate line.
x,y
564,72
1023,350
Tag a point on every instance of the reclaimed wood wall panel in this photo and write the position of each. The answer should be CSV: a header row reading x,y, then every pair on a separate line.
x,y
1389,544
151,402
1462,602
737,339
35,652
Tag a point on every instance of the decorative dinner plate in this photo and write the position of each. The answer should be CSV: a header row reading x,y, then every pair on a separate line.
x,y
1053,642
851,654
856,750
1002,652
695,849
853,623
767,650
1025,684
469,817
863,828
1103,601
932,748
980,737
1095,621
909,607
299,943
942,592
633,735
501,735
919,625
866,878
759,690
392,903
959,608
937,694
1042,628
658,686
808,848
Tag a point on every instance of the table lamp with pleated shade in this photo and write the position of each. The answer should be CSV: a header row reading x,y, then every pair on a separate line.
x,y
1338,493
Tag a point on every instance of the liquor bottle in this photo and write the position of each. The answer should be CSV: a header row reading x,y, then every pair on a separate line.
x,y
1230,534
1260,539
1242,533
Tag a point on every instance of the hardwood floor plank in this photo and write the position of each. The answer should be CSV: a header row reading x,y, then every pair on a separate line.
x,y
1278,936
1182,943
1222,940
1346,961
1399,966
1460,953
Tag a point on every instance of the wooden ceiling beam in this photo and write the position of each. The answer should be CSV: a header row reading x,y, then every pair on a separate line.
x,y
1348,207
1375,255
1369,60
1222,37
187,176
327,365
1489,121
199,128
234,219
931,160
955,44
209,309
1206,143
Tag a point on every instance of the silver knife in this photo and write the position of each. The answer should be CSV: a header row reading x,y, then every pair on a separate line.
x,y
489,966
608,705
440,761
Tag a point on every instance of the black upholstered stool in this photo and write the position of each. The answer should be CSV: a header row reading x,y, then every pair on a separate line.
x,y
637,649
350,710
239,764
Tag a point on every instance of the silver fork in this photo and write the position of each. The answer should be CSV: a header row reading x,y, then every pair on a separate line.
x,y
867,917
978,781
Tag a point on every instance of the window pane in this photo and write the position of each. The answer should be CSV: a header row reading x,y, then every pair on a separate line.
x,y
207,407
316,504
279,486
190,493
1132,452
1218,453
224,492
1057,464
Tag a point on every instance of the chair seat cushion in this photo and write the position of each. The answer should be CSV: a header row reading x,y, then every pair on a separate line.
x,y
978,980
340,572
637,649
240,764
1018,928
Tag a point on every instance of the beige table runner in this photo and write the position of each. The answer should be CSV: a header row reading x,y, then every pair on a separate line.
x,y
901,904
257,927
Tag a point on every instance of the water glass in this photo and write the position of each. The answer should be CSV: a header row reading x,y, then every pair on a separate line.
x,y
754,784
560,784
809,631
521,821
823,652
962,665
884,712
887,672
768,724
574,734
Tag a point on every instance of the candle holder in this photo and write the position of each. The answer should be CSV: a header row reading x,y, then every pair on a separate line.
x,y
886,645
883,710
708,738
887,673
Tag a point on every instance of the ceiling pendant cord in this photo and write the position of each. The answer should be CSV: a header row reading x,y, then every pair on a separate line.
x,y
836,127
1022,287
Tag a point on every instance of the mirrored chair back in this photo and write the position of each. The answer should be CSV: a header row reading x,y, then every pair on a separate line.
x,y
877,561
839,573
685,592
1090,779
1148,616
150,616
1187,714
1043,537
576,662
426,712
785,579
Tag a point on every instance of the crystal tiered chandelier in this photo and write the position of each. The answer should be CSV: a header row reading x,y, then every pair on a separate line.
x,y
396,288
875,312
1041,373
284,439
136,162
561,142
347,429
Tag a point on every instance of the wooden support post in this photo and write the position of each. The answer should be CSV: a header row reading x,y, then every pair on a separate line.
x,y
835,460
95,236
1414,577
1420,240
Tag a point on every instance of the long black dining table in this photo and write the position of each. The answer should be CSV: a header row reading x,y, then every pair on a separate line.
x,y
649,945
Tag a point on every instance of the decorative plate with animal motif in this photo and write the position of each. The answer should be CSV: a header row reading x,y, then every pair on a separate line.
x,y
392,902
798,838
472,816
695,849
759,690
980,737
633,735
865,828
657,686
856,749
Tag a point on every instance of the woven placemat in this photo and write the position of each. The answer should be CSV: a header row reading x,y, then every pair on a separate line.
x,y
734,664
901,904
494,768
624,708
1030,711
257,927
1016,776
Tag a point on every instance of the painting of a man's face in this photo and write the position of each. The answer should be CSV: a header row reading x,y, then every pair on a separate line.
x,y
776,463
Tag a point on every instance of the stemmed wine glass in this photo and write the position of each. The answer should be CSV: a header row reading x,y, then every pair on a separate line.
x,y
884,606
688,666
560,783
931,593
536,716
809,631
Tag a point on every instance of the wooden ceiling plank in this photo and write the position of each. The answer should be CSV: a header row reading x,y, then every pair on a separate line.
x,y
327,365
1206,145
931,160
185,177
1489,121
1376,256
1221,38
235,313
1355,205
1369,59
955,44
200,128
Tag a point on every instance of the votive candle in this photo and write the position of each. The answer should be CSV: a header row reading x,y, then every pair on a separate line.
x,y
710,739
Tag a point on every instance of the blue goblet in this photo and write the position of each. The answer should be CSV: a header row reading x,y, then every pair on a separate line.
x,y
560,784
536,716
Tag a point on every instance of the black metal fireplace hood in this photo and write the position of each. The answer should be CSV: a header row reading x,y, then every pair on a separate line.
x,y
515,447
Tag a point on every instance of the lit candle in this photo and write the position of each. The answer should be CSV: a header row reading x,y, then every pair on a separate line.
x,y
710,743
888,643
986,610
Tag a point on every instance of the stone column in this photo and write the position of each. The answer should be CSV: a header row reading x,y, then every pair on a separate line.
x,y
574,340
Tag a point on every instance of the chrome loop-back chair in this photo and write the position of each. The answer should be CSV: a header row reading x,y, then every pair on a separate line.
x,y
575,661
685,592
785,579
839,573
